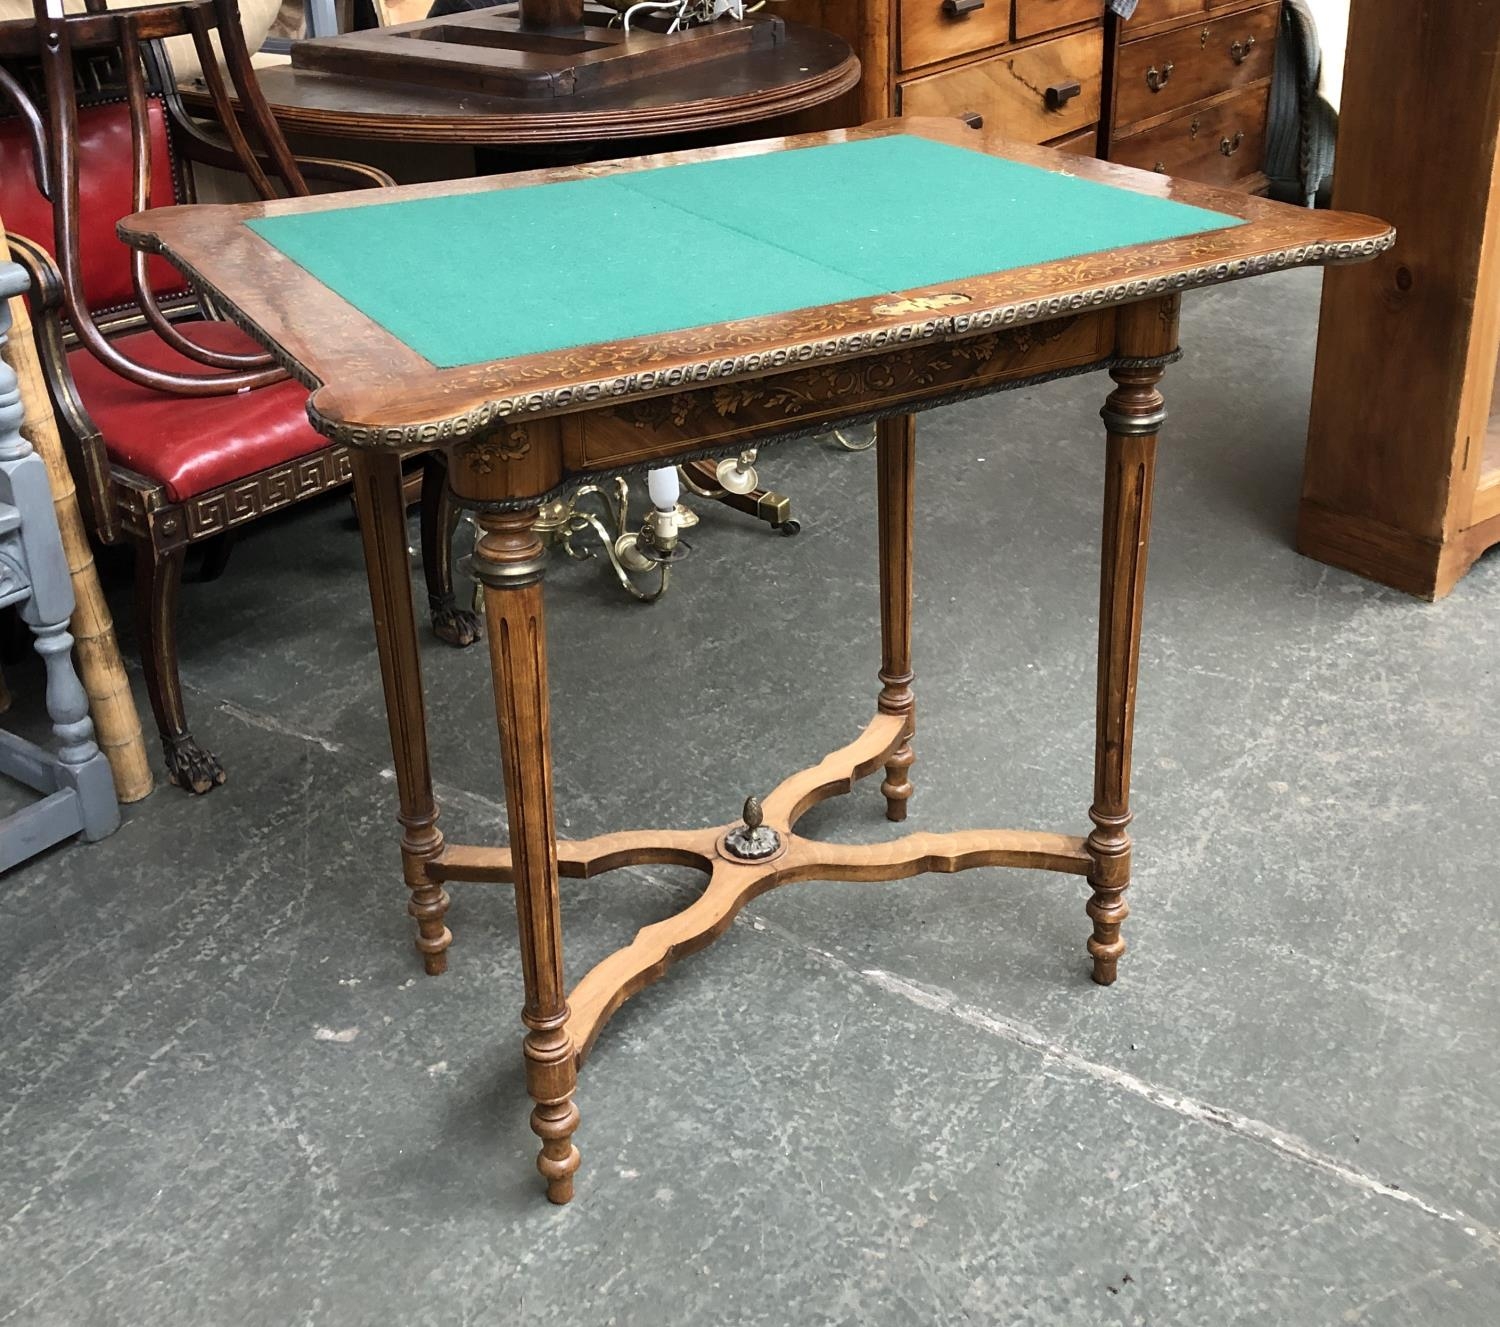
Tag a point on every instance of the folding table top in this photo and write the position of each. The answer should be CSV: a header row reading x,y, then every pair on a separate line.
x,y
543,291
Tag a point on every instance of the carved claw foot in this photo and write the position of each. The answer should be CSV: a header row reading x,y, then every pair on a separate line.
x,y
190,766
454,625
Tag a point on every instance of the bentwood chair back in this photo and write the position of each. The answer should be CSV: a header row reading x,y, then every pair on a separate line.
x,y
179,427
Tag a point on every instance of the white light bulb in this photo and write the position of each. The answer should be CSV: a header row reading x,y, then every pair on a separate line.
x,y
664,488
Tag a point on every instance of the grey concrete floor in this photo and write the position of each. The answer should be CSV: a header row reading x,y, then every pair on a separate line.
x,y
228,1095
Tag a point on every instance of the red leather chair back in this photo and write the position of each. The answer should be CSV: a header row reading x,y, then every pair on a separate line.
x,y
104,196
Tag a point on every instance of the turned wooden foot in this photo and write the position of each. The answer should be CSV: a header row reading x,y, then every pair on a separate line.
x,y
1109,846
428,903
551,1078
896,786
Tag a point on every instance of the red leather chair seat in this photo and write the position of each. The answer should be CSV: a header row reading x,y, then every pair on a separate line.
x,y
193,443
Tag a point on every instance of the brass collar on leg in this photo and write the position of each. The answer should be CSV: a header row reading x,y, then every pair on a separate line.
x,y
1133,425
505,574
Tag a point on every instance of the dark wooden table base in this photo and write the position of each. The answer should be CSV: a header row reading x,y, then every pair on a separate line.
x,y
562,1024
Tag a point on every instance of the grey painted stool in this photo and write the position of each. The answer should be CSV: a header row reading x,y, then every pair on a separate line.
x,y
78,794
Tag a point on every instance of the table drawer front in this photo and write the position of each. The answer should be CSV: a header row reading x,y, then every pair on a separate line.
x,y
933,30
1161,74
1220,144
733,413
1034,17
1011,90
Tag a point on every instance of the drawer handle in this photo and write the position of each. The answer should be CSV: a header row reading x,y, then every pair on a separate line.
x,y
1060,94
1229,147
1193,128
1156,79
961,8
973,119
1239,51
1160,168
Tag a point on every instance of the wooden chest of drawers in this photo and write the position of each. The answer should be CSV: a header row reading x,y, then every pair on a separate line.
x,y
1034,69
1188,85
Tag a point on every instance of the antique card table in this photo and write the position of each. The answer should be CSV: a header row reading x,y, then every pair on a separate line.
x,y
774,288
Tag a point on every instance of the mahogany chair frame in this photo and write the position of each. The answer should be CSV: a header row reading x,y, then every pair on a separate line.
x,y
103,57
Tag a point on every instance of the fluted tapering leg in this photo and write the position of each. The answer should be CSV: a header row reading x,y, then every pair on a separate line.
x,y
895,450
508,559
1133,415
382,524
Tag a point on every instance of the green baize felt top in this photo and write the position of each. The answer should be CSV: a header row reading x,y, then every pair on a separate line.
x,y
474,277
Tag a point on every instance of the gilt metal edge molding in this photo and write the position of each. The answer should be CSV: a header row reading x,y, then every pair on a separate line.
x,y
559,400
455,428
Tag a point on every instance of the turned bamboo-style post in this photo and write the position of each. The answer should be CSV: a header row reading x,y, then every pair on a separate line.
x,y
508,560
117,724
895,465
1146,335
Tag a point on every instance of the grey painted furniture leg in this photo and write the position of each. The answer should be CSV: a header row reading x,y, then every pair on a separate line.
x,y
78,791
322,18
322,21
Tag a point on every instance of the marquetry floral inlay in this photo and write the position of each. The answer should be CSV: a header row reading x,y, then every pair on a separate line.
x,y
825,387
510,444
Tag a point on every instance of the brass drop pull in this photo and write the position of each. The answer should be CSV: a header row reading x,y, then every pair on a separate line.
x,y
1160,168
1239,50
1156,79
973,119
1229,148
961,8
1193,128
1060,94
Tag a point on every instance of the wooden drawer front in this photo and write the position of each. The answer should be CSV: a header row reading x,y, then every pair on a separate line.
x,y
1218,145
1161,74
1085,144
1161,11
1010,90
932,31
636,431
1038,16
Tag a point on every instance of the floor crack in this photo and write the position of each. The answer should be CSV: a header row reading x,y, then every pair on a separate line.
x,y
940,1001
1203,1112
267,724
